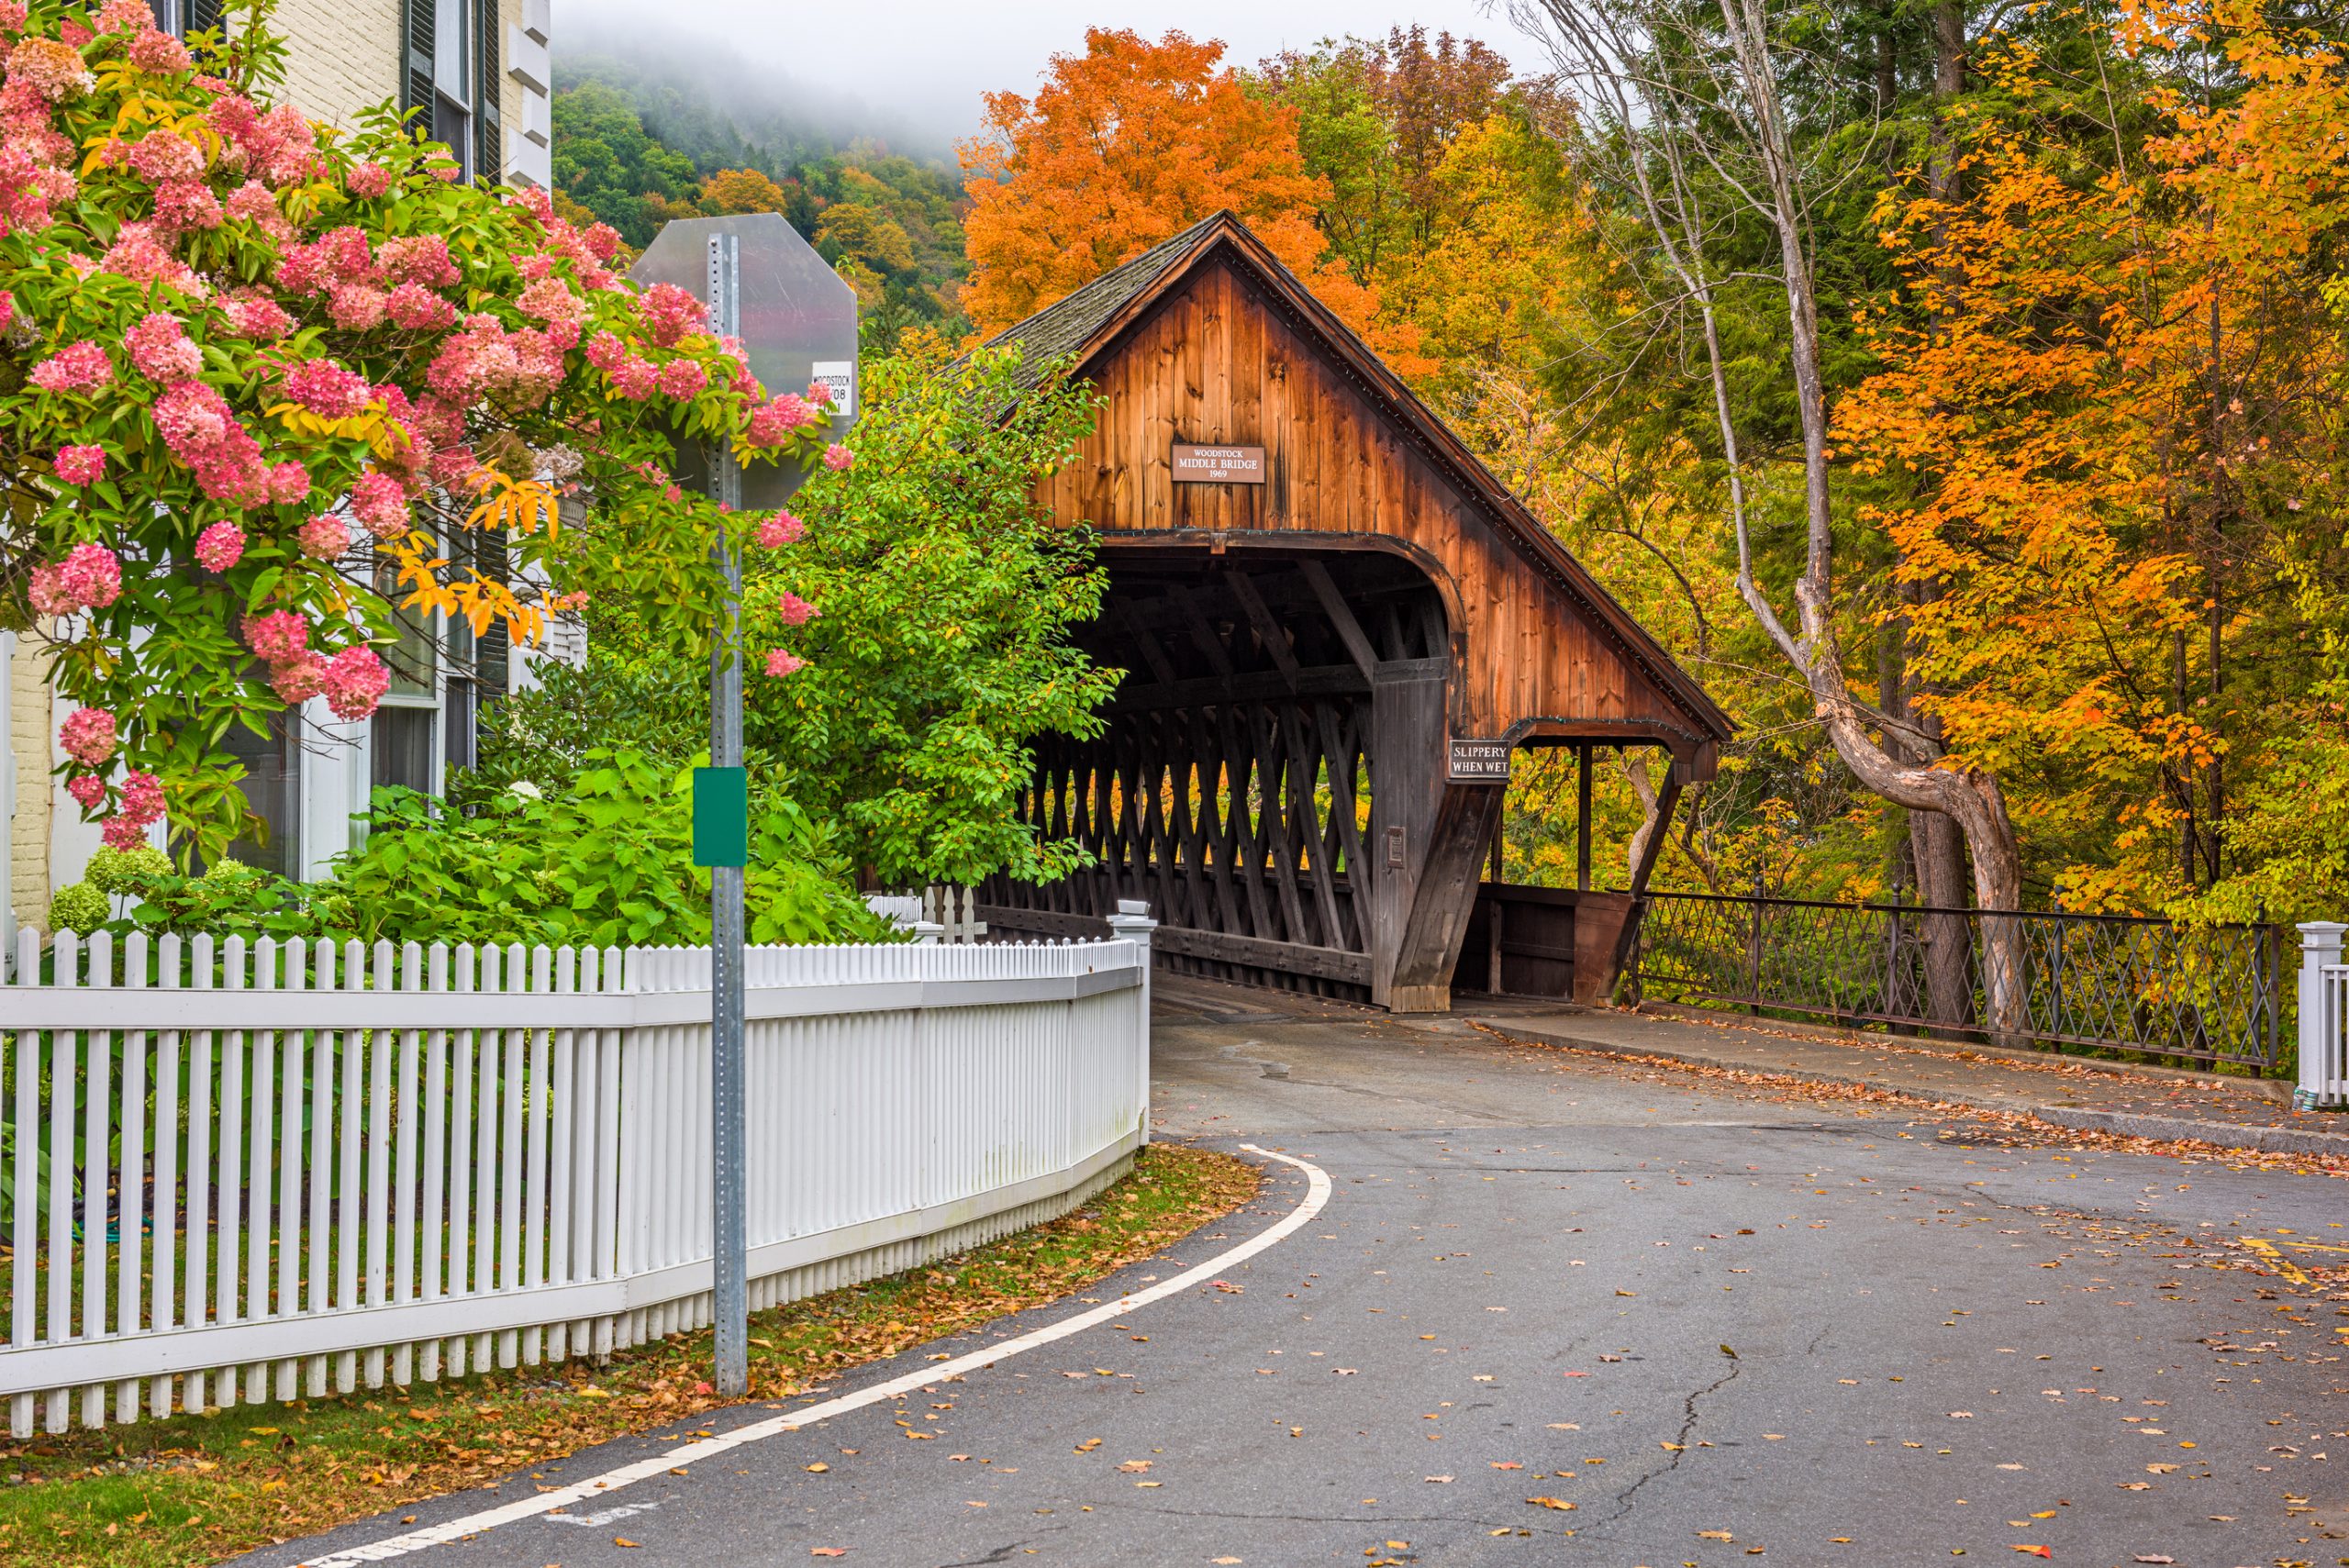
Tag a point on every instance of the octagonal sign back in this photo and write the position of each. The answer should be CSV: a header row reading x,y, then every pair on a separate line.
x,y
797,323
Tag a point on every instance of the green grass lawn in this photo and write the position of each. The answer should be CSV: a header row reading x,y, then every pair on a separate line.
x,y
196,1489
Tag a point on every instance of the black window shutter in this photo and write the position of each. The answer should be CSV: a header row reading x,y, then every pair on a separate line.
x,y
203,16
489,140
415,77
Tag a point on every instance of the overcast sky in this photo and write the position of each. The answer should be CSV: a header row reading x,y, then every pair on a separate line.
x,y
929,59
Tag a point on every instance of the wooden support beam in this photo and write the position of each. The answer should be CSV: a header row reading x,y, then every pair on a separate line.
x,y
1342,615
1581,815
1267,685
1153,654
1666,804
1268,631
1202,629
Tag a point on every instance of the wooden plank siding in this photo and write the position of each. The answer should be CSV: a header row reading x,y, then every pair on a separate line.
x,y
1219,359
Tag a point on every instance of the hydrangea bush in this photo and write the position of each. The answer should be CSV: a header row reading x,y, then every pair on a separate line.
x,y
260,378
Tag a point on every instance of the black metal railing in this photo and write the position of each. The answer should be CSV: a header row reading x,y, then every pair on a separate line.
x,y
2204,994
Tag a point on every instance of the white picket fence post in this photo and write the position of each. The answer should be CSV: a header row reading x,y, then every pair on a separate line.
x,y
254,1170
2324,1017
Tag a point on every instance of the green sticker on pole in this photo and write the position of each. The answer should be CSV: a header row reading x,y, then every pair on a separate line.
x,y
721,816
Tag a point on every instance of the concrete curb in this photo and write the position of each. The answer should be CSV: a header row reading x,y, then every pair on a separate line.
x,y
1957,1050
2132,1124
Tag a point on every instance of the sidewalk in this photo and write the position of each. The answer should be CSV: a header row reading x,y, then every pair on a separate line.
x,y
2146,1102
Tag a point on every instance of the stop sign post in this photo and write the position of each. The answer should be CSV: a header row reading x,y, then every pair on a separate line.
x,y
796,322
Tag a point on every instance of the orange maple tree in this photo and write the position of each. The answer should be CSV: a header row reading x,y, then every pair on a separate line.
x,y
1124,146
2114,390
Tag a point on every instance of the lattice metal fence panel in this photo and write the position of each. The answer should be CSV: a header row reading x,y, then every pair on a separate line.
x,y
2212,995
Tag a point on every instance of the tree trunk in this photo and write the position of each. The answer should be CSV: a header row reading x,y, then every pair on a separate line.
x,y
1971,799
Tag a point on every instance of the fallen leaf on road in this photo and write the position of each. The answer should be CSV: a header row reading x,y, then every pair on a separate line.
x,y
1087,1446
817,1468
827,1551
1224,1561
622,1541
1961,1414
1558,1503
1627,1293
1714,1535
1228,1288
1578,1375
1774,1436
1149,1483
2136,1485
1135,1467
2037,1551
1727,1351
2151,1557
1440,1480
1507,1464
2161,1469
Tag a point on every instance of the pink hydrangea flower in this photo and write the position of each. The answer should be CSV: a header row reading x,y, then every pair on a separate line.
x,y
368,180
204,433
161,155
297,680
162,350
289,482
682,380
81,465
838,458
357,307
186,204
418,309
795,610
324,538
124,17
253,202
159,54
258,316
219,547
380,505
77,367
47,592
52,68
277,636
772,422
779,663
88,789
356,681
142,797
635,378
670,313
88,736
550,301
90,576
326,389
420,259
606,352
781,530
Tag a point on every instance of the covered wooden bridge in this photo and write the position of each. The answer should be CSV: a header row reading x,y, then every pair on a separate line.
x,y
1338,628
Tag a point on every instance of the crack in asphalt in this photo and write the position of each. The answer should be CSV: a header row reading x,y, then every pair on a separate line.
x,y
1000,1554
1680,1445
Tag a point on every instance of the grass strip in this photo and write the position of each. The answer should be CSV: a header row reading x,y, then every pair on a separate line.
x,y
195,1489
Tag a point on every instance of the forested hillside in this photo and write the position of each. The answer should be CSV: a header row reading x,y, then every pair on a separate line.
x,y
640,140
1959,395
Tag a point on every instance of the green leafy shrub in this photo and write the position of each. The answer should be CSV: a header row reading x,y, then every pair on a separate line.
x,y
603,860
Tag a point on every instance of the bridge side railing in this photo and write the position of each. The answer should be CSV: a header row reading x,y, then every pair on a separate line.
x,y
236,1171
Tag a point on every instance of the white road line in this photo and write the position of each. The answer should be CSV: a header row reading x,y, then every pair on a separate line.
x,y
597,1488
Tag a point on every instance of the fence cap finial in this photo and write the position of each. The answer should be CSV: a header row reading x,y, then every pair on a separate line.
x,y
1133,907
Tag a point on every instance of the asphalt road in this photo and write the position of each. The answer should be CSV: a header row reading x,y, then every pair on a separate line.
x,y
1721,1325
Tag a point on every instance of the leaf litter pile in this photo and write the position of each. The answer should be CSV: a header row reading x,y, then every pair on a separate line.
x,y
196,1489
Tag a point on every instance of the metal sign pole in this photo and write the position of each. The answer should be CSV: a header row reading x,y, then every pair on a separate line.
x,y
730,1307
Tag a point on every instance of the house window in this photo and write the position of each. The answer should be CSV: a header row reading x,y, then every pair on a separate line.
x,y
272,791
452,82
402,734
451,85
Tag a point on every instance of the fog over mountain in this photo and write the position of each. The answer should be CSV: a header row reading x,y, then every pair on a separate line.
x,y
911,72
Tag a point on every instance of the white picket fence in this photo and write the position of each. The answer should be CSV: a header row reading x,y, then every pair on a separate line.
x,y
273,1171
